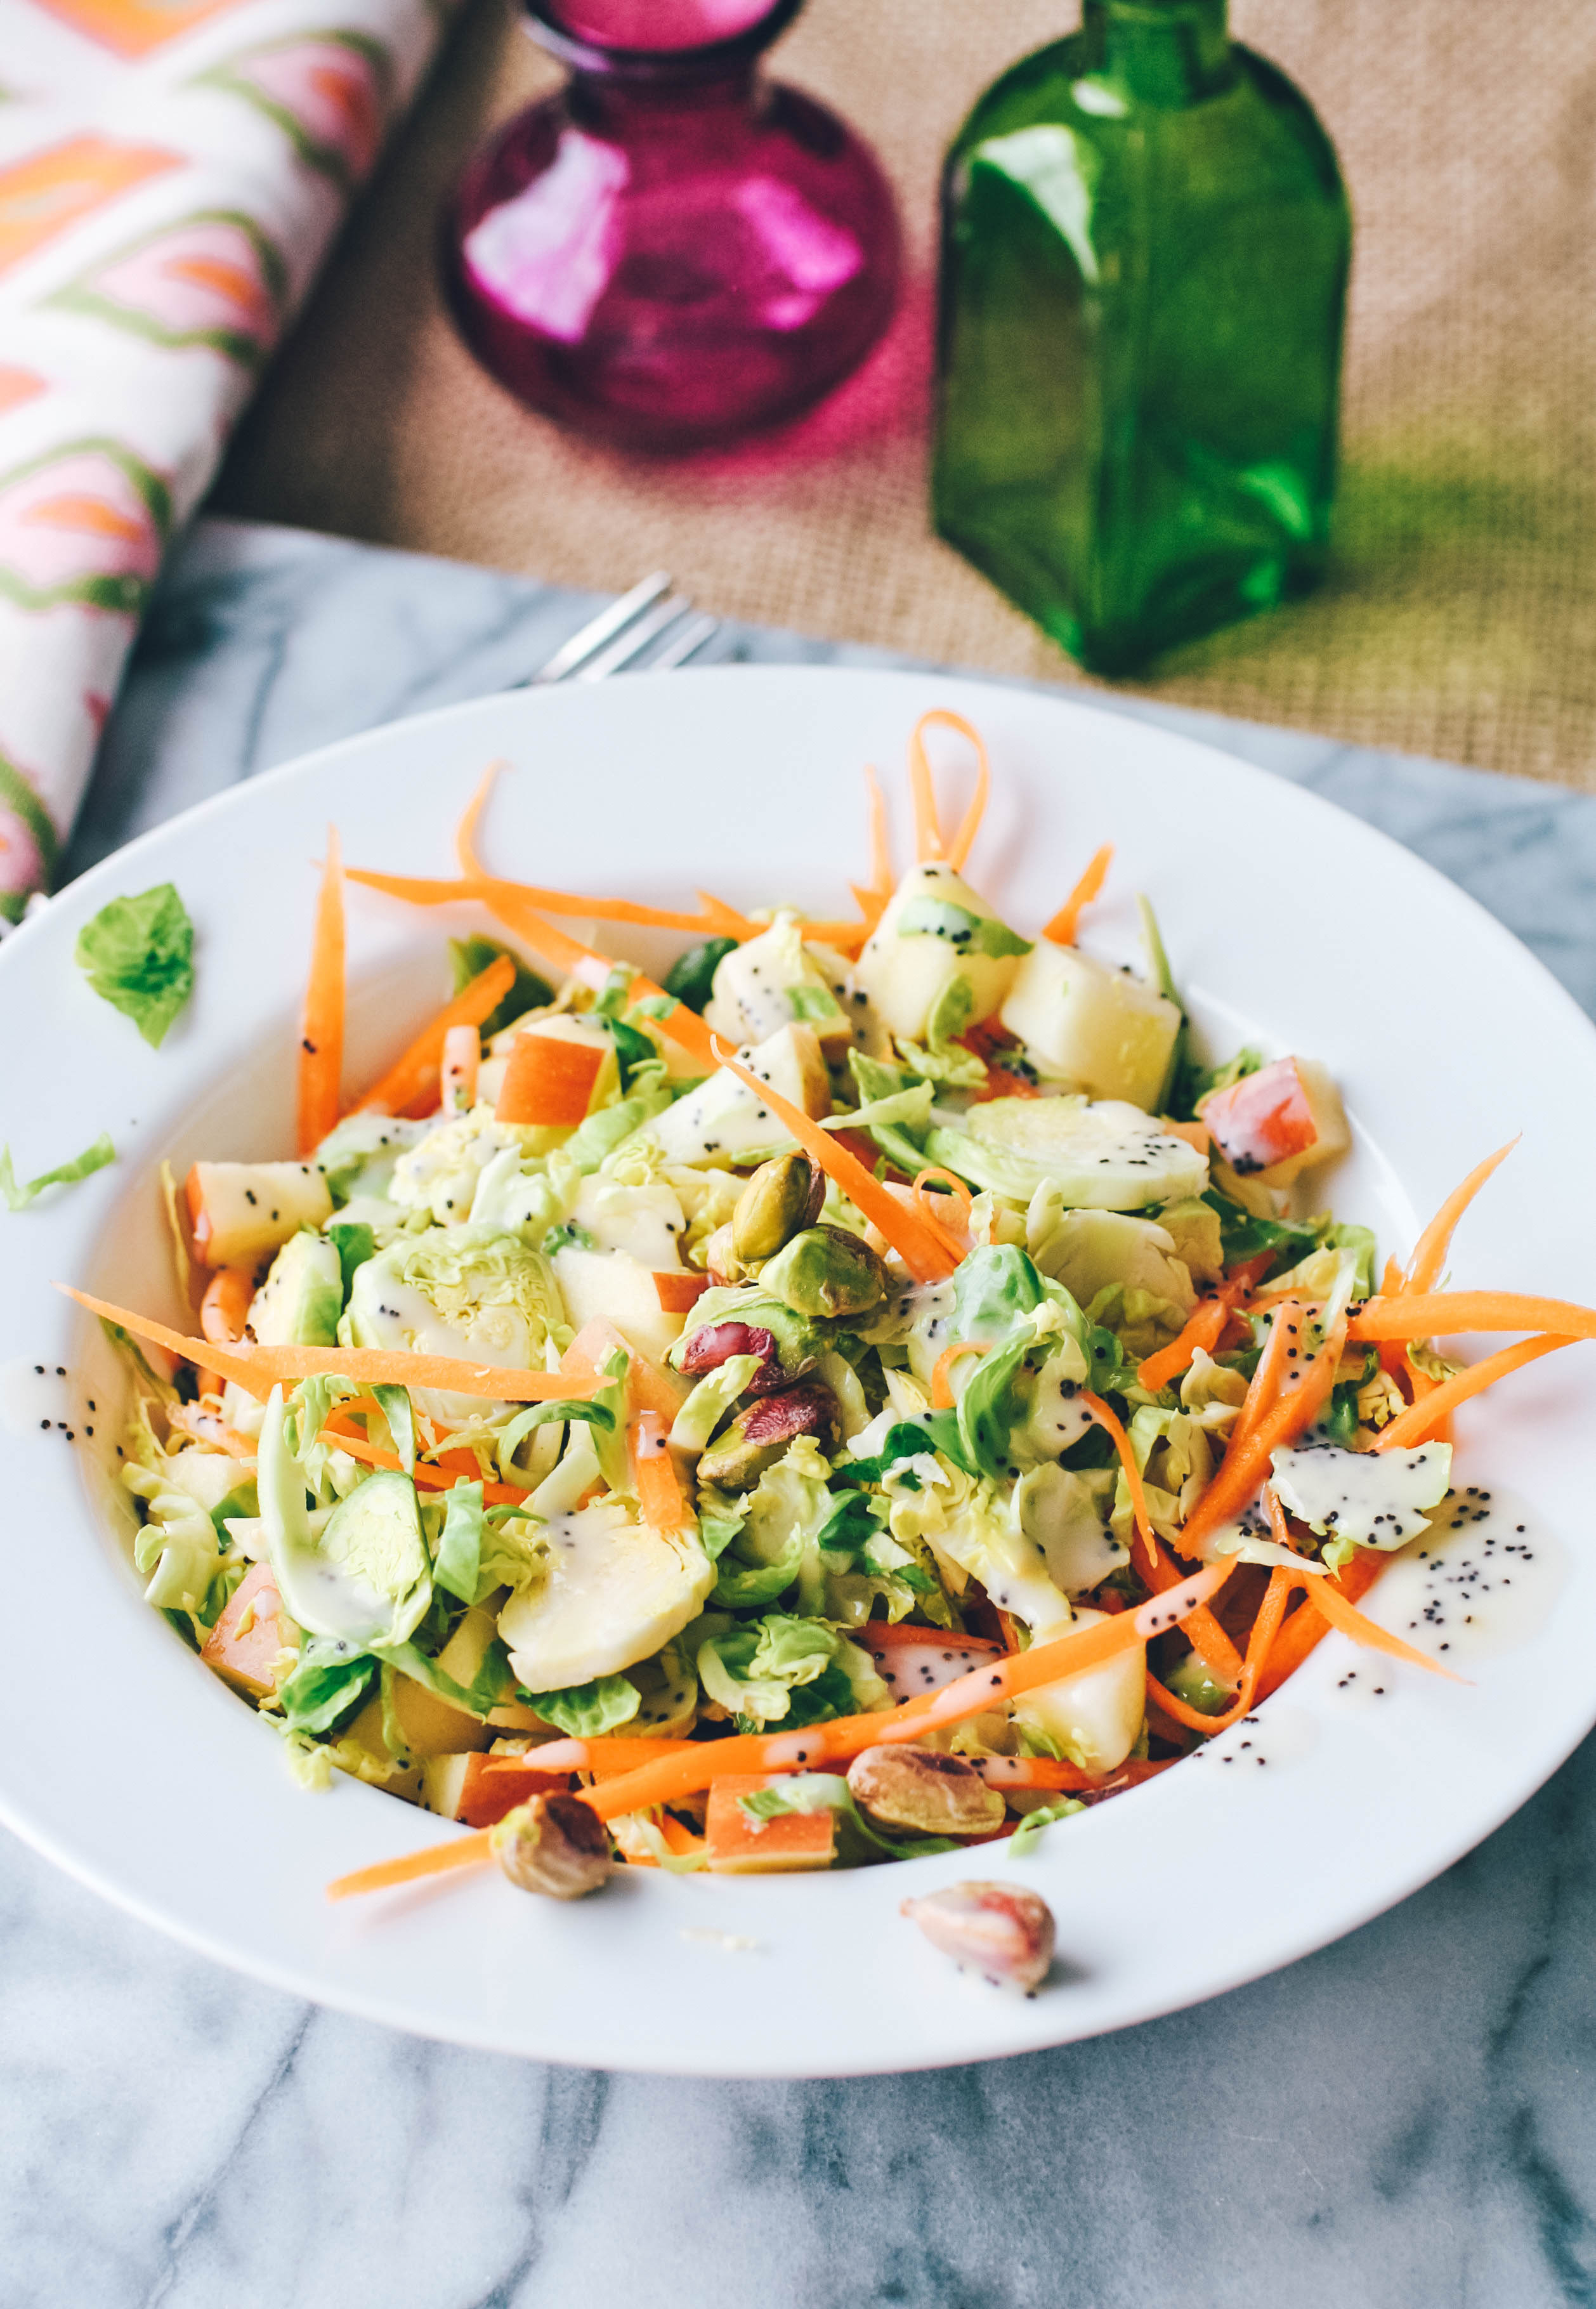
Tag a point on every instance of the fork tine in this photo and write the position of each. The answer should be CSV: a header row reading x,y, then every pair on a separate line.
x,y
599,631
635,639
695,635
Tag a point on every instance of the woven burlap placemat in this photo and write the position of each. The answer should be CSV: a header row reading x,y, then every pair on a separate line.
x,y
1460,619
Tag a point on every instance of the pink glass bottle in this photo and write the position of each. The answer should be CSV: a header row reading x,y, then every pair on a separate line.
x,y
673,250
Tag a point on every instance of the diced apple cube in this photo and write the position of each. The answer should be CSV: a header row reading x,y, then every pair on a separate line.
x,y
480,1790
1285,1118
240,1210
1101,1030
738,1845
723,1120
248,1637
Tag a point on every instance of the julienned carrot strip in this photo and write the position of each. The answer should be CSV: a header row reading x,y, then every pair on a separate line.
x,y
886,1635
942,1392
432,1860
1429,1252
1418,1423
969,826
647,1387
427,1478
1267,1379
258,1369
871,904
1121,1441
928,834
653,1471
1061,930
880,850
1244,1467
1307,1628
1334,1607
920,1248
606,1752
1203,1330
320,1035
1423,1315
1265,1628
417,1075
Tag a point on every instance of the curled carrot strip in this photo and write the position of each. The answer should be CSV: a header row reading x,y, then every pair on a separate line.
x,y
880,852
1429,1252
954,1229
942,1392
928,834
1418,1423
1266,1627
1203,1330
1121,1441
320,1035
653,1472
1061,930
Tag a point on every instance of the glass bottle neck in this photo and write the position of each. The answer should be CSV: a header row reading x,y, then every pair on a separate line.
x,y
1166,52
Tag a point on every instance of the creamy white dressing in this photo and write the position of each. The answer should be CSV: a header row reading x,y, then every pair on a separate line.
x,y
35,1397
1482,1580
1278,1734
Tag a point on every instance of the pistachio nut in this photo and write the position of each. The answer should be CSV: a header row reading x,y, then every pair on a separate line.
x,y
554,1843
757,1437
781,1197
721,1263
923,1792
1001,1931
714,1344
825,1271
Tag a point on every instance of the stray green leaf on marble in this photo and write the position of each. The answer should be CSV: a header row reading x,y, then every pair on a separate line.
x,y
138,954
66,1174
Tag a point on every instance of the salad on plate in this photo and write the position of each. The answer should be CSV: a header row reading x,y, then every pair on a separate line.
x,y
882,1390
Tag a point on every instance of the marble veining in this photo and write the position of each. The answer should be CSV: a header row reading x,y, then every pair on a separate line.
x,y
1402,2121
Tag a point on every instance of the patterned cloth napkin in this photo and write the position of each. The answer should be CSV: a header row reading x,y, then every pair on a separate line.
x,y
171,173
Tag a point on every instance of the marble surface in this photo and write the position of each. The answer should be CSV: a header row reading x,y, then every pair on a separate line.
x,y
1403,2119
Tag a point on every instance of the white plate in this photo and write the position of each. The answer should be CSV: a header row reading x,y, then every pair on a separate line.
x,y
1288,924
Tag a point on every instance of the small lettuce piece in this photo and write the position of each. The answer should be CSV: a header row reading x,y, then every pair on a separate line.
x,y
331,1681
746,1586
1175,1084
457,1560
909,1439
648,1095
899,1140
471,956
716,1532
484,1279
355,1243
137,954
856,1838
928,916
146,1379
997,1284
177,1547
691,977
944,1057
755,1672
66,1174
981,1162
710,1400
1243,1236
561,1413
587,1710
1029,1834
395,1402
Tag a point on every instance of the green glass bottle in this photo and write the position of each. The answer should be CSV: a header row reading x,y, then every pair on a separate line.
x,y
1145,246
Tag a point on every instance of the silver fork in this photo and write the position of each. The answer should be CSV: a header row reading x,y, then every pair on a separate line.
x,y
619,637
